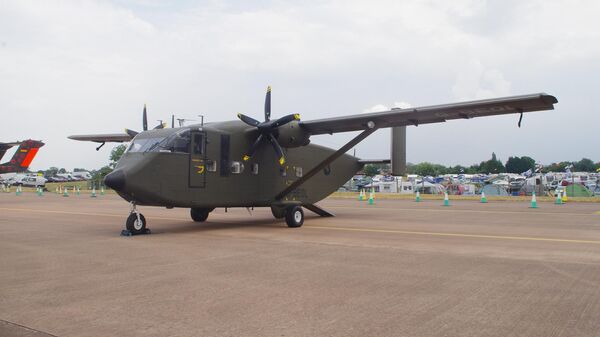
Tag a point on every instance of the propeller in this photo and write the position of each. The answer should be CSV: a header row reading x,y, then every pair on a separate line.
x,y
145,119
133,133
267,129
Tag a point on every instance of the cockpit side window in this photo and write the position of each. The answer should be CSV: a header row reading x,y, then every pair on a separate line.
x,y
179,142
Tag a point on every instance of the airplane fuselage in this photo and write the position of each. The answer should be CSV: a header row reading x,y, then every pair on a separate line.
x,y
202,167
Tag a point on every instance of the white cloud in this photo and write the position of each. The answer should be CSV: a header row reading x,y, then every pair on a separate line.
x,y
89,66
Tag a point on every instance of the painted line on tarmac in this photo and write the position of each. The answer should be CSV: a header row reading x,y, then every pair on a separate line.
x,y
478,236
79,213
446,209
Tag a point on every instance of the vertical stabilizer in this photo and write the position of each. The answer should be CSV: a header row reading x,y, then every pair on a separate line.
x,y
22,157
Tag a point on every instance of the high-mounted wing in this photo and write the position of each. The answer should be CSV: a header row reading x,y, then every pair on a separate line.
x,y
104,138
432,114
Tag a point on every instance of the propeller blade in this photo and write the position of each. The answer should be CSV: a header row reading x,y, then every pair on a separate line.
x,y
131,133
248,120
172,121
268,105
253,148
285,119
277,149
145,119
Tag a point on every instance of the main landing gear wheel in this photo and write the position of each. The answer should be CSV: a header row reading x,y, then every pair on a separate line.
x,y
135,225
199,214
294,216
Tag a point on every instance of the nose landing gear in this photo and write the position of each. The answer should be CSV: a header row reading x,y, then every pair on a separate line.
x,y
136,223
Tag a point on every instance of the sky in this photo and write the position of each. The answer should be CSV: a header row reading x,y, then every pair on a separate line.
x,y
77,67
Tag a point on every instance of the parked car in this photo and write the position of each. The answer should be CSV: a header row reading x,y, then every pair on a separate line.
x,y
32,181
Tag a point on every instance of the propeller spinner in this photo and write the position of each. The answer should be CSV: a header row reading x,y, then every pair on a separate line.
x,y
267,129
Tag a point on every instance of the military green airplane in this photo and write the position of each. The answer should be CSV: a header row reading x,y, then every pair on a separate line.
x,y
230,164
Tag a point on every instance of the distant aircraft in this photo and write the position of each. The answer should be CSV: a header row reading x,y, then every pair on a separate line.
x,y
23,156
228,164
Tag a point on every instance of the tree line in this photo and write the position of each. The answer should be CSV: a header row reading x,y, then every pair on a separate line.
x,y
493,165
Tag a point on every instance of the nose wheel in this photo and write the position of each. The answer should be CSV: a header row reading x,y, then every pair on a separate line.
x,y
135,224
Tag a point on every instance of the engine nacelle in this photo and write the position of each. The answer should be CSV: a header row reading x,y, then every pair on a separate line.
x,y
292,135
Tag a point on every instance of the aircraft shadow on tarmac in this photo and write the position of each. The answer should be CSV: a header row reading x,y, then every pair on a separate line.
x,y
217,225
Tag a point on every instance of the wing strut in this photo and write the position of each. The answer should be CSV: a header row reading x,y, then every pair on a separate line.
x,y
328,160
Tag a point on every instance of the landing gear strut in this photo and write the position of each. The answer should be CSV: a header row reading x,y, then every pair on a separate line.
x,y
136,223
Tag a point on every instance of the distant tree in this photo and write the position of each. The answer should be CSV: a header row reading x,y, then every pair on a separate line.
x,y
51,172
371,170
424,169
62,170
584,165
519,165
98,176
558,167
458,169
116,154
492,166
79,170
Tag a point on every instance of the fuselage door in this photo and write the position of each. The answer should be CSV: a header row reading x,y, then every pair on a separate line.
x,y
198,159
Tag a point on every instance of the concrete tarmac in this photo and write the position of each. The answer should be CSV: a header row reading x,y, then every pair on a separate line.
x,y
396,268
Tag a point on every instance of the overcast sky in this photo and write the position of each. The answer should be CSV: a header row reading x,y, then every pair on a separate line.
x,y
75,67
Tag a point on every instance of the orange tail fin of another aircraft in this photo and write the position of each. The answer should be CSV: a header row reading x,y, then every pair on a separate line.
x,y
22,157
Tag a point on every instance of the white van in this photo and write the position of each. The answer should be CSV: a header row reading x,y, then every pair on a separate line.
x,y
32,181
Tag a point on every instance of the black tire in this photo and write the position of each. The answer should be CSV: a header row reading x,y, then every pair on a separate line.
x,y
134,226
199,214
278,212
294,216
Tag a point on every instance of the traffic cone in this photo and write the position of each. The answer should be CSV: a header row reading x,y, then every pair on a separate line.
x,y
418,197
371,197
446,201
483,198
361,196
93,192
102,190
18,190
66,192
533,201
564,194
558,198
56,191
75,192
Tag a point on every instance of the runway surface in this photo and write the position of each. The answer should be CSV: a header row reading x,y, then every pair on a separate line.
x,y
396,268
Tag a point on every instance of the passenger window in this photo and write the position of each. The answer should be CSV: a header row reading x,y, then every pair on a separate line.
x,y
211,166
237,167
298,172
255,168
